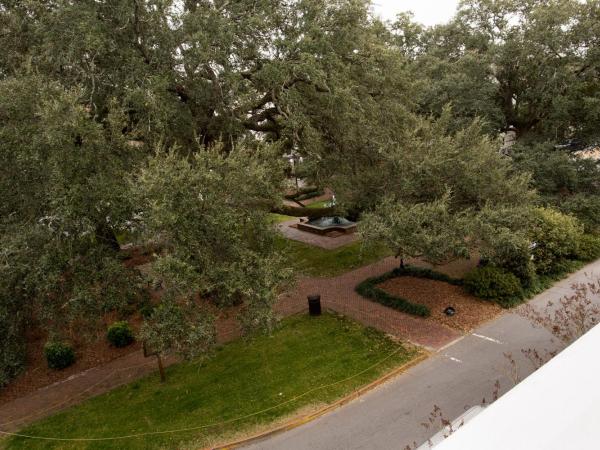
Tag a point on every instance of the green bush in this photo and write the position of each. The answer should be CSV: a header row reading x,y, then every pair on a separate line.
x,y
369,289
305,193
59,355
421,272
514,256
588,248
146,309
311,213
586,207
556,236
120,334
493,283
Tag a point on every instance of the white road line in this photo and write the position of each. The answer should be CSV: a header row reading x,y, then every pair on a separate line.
x,y
450,344
451,358
480,336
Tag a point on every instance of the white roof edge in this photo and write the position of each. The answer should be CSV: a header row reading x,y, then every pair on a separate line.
x,y
555,408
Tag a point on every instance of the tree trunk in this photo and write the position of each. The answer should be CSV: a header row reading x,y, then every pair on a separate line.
x,y
161,369
106,236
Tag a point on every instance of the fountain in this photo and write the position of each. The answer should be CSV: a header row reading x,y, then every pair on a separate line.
x,y
326,225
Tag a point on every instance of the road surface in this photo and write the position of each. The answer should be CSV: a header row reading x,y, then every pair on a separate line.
x,y
455,378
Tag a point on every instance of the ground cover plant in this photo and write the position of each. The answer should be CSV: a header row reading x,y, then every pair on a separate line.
x,y
242,378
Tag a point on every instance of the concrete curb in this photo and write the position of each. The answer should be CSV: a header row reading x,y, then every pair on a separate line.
x,y
295,423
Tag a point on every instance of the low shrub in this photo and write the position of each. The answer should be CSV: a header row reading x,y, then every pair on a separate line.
x,y
513,255
369,289
59,355
420,272
586,207
305,193
146,309
311,213
588,248
556,236
120,334
309,195
493,283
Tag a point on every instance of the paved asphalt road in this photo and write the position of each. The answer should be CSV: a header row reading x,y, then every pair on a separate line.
x,y
455,378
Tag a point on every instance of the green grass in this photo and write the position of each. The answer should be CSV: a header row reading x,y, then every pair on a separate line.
x,y
279,218
318,262
319,205
243,377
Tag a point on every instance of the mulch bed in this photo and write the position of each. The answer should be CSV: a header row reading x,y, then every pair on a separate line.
x,y
437,295
88,354
37,374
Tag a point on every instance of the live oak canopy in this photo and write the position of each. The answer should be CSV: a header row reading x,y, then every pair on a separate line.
x,y
169,118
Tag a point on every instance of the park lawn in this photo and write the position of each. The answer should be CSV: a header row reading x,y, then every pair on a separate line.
x,y
319,262
319,205
279,218
243,377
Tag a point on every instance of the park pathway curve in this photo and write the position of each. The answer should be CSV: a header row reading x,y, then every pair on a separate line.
x,y
338,294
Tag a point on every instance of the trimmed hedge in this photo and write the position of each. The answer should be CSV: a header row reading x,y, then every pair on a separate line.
x,y
120,334
492,283
369,289
59,355
420,272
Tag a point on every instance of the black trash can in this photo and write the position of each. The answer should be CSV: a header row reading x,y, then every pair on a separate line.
x,y
314,305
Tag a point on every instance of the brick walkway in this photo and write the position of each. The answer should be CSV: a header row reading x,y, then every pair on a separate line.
x,y
337,294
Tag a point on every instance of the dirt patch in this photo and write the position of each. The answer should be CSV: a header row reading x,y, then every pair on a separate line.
x,y
437,295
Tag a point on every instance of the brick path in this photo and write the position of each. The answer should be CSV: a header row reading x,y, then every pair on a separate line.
x,y
337,294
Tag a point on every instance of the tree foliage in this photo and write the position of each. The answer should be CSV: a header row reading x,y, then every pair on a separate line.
x,y
169,118
207,211
531,64
444,192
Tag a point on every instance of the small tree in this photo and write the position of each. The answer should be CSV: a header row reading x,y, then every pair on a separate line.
x,y
209,212
426,230
440,187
